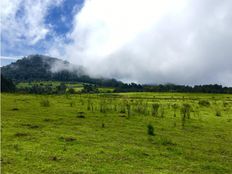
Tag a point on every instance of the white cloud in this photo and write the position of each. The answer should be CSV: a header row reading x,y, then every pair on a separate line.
x,y
22,21
149,41
154,41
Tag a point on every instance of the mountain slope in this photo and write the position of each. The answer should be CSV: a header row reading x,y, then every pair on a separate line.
x,y
34,67
39,67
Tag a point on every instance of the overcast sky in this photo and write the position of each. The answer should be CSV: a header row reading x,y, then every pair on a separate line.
x,y
149,41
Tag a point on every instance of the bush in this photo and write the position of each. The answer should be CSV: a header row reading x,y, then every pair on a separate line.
x,y
218,113
174,107
185,111
204,103
45,103
155,109
87,88
150,129
71,91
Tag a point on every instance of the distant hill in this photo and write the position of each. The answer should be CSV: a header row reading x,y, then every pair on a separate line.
x,y
39,67
36,67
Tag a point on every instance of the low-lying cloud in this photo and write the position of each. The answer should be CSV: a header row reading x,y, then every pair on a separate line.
x,y
154,41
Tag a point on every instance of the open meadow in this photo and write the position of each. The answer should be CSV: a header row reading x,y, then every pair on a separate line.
x,y
161,133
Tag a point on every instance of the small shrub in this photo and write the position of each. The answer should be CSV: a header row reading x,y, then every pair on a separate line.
x,y
71,91
72,103
15,109
225,104
174,107
204,103
128,107
68,139
48,120
185,112
45,103
218,113
150,129
155,109
21,134
162,112
31,126
53,158
122,109
166,142
80,115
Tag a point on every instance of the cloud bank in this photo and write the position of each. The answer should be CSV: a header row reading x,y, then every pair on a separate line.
x,y
149,41
154,41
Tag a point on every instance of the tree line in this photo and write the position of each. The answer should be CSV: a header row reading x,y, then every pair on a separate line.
x,y
7,85
211,88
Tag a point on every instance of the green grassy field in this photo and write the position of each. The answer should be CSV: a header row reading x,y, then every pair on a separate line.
x,y
108,133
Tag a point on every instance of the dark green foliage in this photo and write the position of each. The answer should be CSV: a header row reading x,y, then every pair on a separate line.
x,y
128,108
166,142
21,134
71,91
80,115
155,109
173,88
45,103
7,85
61,89
185,112
150,129
31,126
37,89
38,67
87,88
218,113
72,103
204,103
162,112
68,139
174,107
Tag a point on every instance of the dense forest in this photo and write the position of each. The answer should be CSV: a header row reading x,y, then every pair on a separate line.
x,y
7,85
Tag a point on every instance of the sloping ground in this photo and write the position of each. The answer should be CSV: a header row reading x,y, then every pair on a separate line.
x,y
108,134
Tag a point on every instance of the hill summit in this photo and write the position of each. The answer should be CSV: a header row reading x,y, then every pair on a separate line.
x,y
45,68
39,67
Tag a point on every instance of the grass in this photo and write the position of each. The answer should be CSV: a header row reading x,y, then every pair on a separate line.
x,y
81,138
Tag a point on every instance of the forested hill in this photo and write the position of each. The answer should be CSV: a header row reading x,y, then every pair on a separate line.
x,y
39,67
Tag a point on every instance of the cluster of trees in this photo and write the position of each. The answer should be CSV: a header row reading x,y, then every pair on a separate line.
x,y
87,88
60,89
43,89
7,85
174,88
